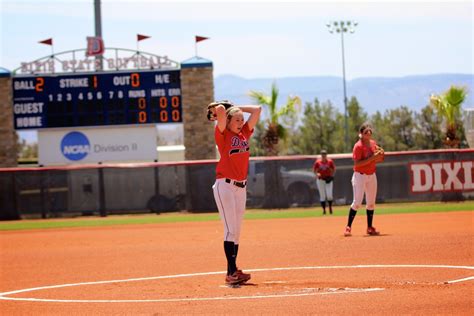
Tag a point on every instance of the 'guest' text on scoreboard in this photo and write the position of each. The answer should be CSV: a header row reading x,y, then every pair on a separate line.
x,y
97,99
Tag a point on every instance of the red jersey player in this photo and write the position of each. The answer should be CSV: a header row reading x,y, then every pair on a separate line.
x,y
366,154
324,169
232,136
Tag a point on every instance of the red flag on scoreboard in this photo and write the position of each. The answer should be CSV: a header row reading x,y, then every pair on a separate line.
x,y
48,41
95,46
201,38
142,37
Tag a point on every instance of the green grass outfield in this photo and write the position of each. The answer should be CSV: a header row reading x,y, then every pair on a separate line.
x,y
95,221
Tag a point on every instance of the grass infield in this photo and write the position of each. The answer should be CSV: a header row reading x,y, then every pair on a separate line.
x,y
315,211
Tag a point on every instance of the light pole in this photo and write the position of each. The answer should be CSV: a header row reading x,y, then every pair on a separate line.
x,y
98,28
343,27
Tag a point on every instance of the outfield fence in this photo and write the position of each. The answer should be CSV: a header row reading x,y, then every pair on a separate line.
x,y
277,182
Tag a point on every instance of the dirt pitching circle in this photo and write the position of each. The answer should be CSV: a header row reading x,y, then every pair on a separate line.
x,y
299,292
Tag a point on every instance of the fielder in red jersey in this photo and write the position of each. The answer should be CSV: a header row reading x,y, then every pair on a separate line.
x,y
324,169
366,154
232,135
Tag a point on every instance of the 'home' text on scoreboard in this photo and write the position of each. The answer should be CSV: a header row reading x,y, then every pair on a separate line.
x,y
95,99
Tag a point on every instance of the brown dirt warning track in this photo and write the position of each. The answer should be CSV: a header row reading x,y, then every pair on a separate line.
x,y
299,267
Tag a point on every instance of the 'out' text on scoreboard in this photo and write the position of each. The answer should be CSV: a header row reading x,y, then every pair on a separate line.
x,y
97,99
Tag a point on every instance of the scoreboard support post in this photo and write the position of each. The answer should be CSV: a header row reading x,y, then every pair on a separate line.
x,y
197,91
8,137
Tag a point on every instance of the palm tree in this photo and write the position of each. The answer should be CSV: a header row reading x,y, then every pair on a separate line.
x,y
274,130
448,106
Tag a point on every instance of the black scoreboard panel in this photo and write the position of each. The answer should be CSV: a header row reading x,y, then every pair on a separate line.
x,y
97,99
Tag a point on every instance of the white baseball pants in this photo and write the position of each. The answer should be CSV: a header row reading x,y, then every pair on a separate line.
x,y
230,201
325,190
364,184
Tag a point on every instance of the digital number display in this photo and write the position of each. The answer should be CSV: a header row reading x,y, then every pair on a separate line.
x,y
97,99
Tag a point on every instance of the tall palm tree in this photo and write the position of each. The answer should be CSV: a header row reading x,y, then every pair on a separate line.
x,y
274,130
448,106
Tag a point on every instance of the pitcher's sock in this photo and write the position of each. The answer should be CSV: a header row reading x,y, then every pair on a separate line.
x,y
370,217
229,249
352,215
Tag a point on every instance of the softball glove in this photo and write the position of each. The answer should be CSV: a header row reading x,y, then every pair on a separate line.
x,y
328,179
211,116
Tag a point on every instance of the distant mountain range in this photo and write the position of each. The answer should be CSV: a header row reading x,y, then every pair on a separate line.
x,y
373,93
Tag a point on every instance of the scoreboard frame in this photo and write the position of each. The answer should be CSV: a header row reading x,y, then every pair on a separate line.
x,y
97,99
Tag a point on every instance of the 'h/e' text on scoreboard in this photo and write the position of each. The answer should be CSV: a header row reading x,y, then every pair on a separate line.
x,y
96,99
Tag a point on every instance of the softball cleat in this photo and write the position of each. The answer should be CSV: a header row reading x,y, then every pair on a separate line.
x,y
237,278
347,232
245,276
372,231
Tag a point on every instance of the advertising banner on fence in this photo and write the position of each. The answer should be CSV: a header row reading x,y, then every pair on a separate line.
x,y
441,176
93,145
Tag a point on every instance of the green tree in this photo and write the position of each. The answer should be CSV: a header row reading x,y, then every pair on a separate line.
x,y
338,135
468,124
402,127
275,130
317,130
356,117
448,106
18,144
382,131
428,129
256,141
27,151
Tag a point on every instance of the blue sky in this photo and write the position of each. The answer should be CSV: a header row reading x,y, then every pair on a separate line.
x,y
256,38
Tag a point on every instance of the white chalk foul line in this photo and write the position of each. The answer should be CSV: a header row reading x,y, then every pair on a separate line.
x,y
4,295
112,281
194,299
459,280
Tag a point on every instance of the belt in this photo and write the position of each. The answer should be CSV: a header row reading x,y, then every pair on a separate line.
x,y
237,183
368,174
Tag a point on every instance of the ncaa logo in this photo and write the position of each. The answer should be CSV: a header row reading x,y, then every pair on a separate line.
x,y
75,146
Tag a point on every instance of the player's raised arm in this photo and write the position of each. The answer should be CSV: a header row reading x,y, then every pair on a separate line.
x,y
221,117
254,111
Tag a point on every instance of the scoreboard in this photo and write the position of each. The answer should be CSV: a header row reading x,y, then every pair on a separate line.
x,y
97,99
